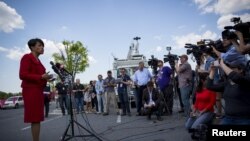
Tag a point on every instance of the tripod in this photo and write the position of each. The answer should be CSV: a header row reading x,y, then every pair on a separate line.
x,y
66,135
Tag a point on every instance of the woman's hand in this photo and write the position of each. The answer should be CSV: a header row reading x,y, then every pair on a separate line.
x,y
46,76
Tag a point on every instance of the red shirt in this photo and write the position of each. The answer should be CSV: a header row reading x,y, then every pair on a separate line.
x,y
205,100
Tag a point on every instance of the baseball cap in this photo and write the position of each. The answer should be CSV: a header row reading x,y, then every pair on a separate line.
x,y
184,56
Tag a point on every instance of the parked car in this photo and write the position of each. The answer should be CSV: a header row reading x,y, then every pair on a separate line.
x,y
13,102
1,103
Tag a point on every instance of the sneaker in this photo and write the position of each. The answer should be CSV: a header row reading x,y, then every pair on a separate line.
x,y
129,114
123,114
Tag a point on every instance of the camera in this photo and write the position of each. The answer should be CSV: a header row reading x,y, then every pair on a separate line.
x,y
170,58
153,63
239,26
204,46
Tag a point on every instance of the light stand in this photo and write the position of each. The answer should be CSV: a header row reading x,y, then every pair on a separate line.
x,y
68,79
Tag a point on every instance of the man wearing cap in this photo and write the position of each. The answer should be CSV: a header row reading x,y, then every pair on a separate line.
x,y
184,72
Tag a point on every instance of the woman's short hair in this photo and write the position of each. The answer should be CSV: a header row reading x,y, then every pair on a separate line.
x,y
33,42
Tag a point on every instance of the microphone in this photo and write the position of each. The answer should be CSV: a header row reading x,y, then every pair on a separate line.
x,y
55,68
61,67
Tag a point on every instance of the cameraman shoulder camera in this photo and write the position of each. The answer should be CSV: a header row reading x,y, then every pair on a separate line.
x,y
231,53
241,31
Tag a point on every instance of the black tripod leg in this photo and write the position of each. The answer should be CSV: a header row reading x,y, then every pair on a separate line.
x,y
65,132
92,134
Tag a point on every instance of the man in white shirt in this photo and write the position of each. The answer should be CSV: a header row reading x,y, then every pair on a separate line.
x,y
141,77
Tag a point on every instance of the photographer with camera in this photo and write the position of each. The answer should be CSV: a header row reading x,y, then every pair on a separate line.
x,y
240,31
235,92
166,88
184,72
231,53
242,47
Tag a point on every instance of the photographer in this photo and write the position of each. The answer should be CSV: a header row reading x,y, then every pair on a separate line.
x,y
78,90
242,46
231,54
235,92
123,91
184,73
62,96
203,109
163,82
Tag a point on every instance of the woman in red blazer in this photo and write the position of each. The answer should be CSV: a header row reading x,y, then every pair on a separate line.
x,y
33,76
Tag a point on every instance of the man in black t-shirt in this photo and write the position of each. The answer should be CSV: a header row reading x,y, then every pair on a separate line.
x,y
124,81
78,90
62,96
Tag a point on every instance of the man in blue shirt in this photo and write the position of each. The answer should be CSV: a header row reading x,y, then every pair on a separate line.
x,y
163,82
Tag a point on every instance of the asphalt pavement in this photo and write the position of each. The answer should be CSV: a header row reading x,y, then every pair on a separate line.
x,y
108,128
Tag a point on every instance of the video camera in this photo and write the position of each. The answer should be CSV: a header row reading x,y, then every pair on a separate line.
x,y
153,63
244,28
170,58
204,46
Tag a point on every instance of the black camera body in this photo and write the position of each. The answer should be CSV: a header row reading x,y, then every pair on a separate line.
x,y
204,46
153,63
244,28
171,58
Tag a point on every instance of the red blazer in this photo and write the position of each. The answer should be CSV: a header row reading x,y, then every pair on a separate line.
x,y
31,71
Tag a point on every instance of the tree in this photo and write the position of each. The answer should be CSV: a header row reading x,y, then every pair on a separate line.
x,y
74,57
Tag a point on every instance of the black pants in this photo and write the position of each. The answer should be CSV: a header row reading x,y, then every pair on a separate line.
x,y
169,97
94,103
157,109
139,97
63,100
46,105
123,97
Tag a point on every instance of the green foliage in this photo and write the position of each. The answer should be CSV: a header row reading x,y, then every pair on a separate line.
x,y
74,57
4,95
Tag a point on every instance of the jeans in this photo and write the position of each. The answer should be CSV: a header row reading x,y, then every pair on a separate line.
x,y
101,102
123,97
185,96
194,122
227,120
79,104
63,101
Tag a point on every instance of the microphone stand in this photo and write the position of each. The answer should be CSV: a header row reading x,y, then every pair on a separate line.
x,y
68,79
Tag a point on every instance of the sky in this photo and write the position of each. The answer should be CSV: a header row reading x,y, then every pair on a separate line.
x,y
108,27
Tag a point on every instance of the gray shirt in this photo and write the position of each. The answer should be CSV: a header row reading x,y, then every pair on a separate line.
x,y
107,81
185,75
